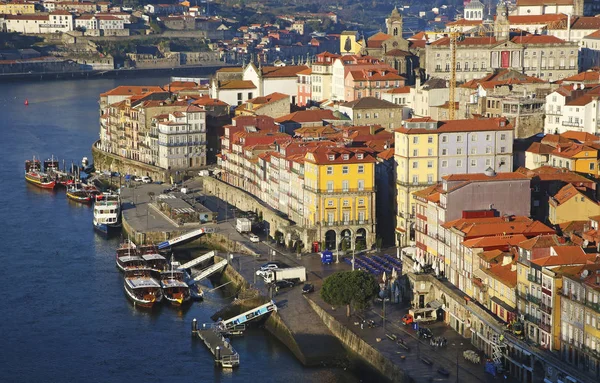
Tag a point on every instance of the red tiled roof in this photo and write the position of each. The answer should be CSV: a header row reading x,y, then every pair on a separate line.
x,y
537,39
282,71
480,227
470,125
566,193
539,148
504,274
308,116
125,90
565,255
399,90
237,84
540,241
321,155
466,41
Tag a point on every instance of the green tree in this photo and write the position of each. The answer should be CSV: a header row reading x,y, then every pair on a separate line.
x,y
355,289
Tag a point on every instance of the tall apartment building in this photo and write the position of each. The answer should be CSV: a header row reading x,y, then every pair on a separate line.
x,y
182,138
426,150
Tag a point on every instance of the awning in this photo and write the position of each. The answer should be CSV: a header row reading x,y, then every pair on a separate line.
x,y
217,171
503,304
435,304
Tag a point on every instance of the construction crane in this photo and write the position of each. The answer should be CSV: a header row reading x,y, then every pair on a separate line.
x,y
454,38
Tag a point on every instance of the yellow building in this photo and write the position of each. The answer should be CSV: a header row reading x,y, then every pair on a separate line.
x,y
17,8
571,204
501,283
577,157
350,43
339,196
426,150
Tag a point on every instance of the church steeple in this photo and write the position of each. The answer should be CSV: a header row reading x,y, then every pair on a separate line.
x,y
502,25
394,23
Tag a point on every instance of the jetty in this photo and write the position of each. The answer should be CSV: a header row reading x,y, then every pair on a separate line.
x,y
210,270
212,334
198,260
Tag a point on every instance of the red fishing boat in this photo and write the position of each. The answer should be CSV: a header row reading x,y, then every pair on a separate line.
x,y
35,176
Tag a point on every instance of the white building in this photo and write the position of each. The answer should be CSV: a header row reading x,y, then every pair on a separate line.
x,y
474,10
589,52
233,92
182,139
99,22
572,108
57,21
546,7
271,79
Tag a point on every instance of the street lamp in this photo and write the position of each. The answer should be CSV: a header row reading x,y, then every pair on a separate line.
x,y
456,361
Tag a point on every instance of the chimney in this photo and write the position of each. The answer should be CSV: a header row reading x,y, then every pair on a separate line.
x,y
372,129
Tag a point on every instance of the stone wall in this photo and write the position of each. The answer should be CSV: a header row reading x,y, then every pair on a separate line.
x,y
104,161
352,341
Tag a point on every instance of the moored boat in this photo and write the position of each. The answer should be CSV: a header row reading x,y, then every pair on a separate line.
x,y
156,262
107,213
141,288
79,195
174,288
35,176
130,262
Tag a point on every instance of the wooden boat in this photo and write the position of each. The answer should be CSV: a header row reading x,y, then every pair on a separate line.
x,y
174,288
141,288
130,262
156,262
127,248
79,195
35,176
147,249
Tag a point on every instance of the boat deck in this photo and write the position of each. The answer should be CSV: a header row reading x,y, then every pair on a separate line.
x,y
137,283
222,350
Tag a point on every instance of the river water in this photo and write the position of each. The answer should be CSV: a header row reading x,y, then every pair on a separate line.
x,y
64,313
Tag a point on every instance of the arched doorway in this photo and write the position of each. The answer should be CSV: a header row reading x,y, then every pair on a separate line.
x,y
330,240
279,238
360,242
345,240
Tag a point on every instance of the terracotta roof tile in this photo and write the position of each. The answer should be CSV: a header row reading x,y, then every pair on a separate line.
x,y
470,125
504,274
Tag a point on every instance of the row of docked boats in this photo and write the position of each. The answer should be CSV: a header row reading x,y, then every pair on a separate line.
x,y
107,206
150,279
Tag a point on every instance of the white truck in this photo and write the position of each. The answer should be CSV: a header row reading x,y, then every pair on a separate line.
x,y
243,225
294,274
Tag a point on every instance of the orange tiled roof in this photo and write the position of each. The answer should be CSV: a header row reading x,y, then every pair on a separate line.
x,y
537,39
308,116
579,136
541,241
321,155
237,84
539,148
565,255
566,193
480,227
126,90
504,241
504,274
469,125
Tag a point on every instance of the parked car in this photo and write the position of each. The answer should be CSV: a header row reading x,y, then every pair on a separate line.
x,y
254,238
270,266
283,284
308,288
146,179
137,179
407,319
424,333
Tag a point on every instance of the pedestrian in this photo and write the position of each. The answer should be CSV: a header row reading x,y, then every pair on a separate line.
x,y
362,325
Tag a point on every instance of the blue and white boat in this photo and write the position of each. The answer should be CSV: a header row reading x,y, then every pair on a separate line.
x,y
107,213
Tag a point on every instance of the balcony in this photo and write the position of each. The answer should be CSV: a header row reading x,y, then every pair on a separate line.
x,y
533,299
339,191
414,184
189,143
545,326
572,123
530,318
532,278
592,305
545,308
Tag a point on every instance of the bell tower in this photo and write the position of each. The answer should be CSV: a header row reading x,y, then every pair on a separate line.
x,y
502,25
394,24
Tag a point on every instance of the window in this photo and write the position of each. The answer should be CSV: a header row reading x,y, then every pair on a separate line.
x,y
444,139
474,137
488,137
361,185
459,151
331,157
444,164
361,169
415,139
361,201
429,178
330,170
345,186
430,139
459,138
330,186
473,151
503,137
444,152
346,156
239,96
249,95
330,218
502,149
415,179
430,152
344,169
473,163
330,202
459,163
346,203
360,156
488,162
592,166
429,164
415,153
488,150
415,165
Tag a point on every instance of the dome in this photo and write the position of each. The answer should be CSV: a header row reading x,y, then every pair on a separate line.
x,y
489,172
474,4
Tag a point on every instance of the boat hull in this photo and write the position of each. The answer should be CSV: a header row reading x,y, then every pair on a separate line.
x,y
107,230
176,301
144,303
39,183
80,199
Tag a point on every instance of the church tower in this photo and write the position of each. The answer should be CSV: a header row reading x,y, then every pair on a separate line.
x,y
502,25
394,24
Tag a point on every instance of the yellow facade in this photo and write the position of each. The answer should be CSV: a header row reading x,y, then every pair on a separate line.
x,y
17,8
349,43
578,208
417,166
341,191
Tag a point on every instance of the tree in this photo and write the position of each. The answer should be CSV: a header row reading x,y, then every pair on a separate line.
x,y
355,289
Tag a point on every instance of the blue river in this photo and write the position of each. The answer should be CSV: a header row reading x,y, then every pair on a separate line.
x,y
65,316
